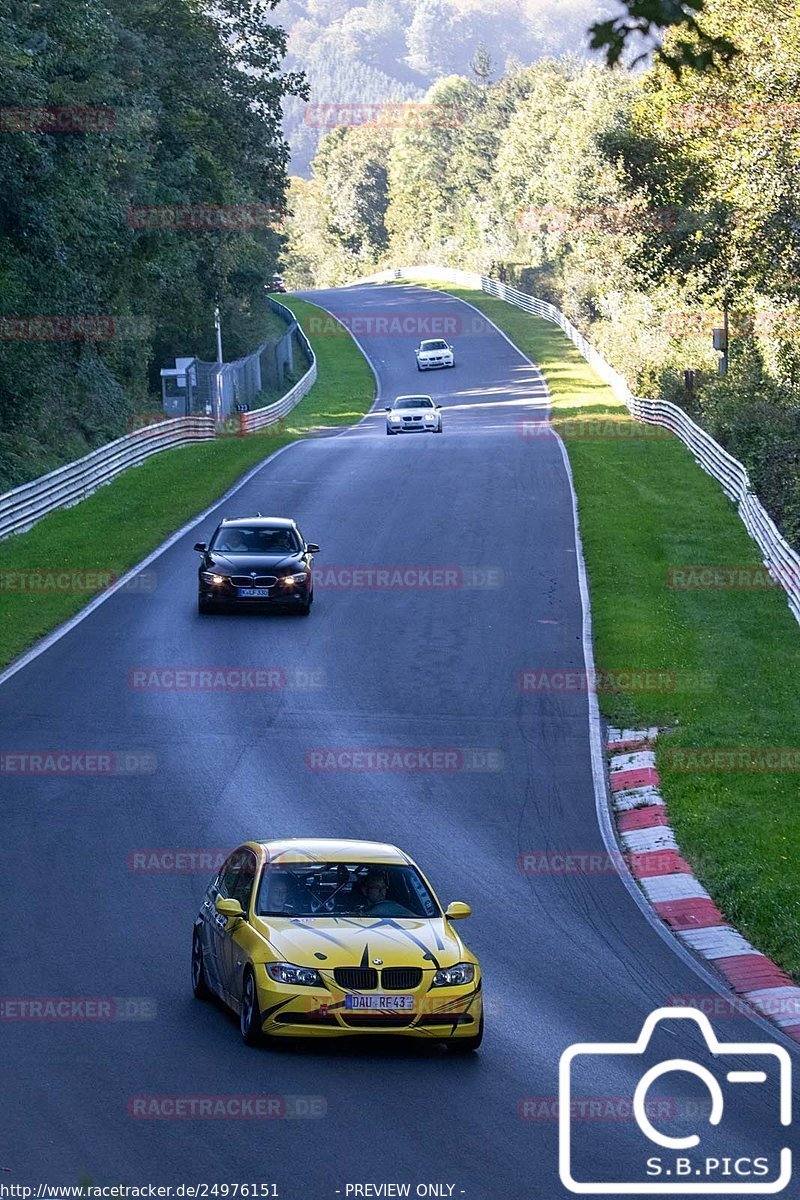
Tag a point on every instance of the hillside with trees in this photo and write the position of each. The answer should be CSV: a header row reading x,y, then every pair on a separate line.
x,y
393,50
191,105
643,204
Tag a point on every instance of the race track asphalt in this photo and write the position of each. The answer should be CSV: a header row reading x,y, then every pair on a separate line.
x,y
566,956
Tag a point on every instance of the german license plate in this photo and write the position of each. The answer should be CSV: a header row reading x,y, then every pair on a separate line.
x,y
253,593
381,1003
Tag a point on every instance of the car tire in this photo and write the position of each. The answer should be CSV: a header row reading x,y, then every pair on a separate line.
x,y
304,610
390,432
199,982
203,607
250,1017
467,1045
439,429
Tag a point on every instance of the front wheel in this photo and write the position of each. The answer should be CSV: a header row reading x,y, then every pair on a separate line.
x,y
390,432
467,1045
203,607
439,430
199,983
250,1017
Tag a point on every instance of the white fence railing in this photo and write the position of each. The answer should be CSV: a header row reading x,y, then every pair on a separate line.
x,y
781,560
25,505
22,507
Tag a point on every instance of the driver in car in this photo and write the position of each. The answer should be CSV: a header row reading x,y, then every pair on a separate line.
x,y
375,890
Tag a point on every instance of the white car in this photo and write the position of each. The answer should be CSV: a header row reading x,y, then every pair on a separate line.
x,y
435,352
414,414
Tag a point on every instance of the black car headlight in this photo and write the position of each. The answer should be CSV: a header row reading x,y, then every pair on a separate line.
x,y
282,972
213,578
461,973
293,580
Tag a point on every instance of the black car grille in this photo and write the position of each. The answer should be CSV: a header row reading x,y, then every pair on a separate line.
x,y
401,979
362,979
365,979
260,581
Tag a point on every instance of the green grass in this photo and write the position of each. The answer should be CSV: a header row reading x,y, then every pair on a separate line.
x,y
116,527
644,507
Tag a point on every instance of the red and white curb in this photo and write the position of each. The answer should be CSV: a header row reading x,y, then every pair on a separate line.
x,y
678,898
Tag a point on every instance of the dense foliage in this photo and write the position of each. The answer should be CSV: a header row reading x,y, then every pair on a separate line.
x,y
391,50
643,205
192,117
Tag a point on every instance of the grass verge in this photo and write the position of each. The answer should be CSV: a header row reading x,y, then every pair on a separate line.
x,y
729,657
116,527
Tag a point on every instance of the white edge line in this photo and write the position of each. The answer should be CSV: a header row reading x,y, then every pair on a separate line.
x,y
595,738
51,638
604,818
60,631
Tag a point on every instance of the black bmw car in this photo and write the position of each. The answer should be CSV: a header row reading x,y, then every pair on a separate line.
x,y
256,561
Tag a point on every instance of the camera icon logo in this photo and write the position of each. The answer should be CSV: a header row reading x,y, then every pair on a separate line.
x,y
684,1165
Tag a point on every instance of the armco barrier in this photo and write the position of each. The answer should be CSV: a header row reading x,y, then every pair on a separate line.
x,y
25,505
782,562
260,418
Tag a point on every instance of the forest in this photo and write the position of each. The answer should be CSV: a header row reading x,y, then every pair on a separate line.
x,y
144,181
647,204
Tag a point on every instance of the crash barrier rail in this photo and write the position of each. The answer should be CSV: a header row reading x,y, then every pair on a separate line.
x,y
23,506
260,418
780,559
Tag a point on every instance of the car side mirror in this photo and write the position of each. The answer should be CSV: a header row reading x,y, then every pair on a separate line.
x,y
457,911
230,909
387,409
312,547
201,546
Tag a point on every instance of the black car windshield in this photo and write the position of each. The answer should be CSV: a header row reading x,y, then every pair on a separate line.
x,y
256,539
414,402
438,345
344,890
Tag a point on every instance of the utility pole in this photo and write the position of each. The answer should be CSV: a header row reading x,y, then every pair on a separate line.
x,y
721,339
218,328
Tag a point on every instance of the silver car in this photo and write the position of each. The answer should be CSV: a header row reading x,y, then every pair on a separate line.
x,y
414,414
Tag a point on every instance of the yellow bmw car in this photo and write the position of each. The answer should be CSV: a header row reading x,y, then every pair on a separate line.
x,y
326,938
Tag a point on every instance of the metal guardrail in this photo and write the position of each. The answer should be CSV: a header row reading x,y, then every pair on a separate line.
x,y
260,418
22,507
25,505
780,559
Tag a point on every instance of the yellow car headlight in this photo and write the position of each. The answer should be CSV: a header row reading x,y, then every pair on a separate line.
x,y
461,973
